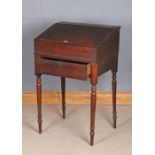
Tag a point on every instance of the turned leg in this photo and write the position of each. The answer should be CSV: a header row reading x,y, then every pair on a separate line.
x,y
93,102
63,96
114,85
39,100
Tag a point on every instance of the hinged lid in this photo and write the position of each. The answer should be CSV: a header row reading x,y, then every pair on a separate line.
x,y
77,33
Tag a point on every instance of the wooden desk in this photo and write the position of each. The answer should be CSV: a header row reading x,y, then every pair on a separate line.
x,y
78,51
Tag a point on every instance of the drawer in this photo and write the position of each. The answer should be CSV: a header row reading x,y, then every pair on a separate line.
x,y
66,69
65,51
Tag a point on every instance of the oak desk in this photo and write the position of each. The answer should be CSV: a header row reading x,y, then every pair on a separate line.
x,y
78,51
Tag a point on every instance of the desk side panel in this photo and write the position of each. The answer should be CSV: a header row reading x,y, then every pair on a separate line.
x,y
107,54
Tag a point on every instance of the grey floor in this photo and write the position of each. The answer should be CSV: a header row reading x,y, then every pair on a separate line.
x,y
71,136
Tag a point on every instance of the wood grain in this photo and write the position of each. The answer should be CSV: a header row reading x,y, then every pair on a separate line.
x,y
76,97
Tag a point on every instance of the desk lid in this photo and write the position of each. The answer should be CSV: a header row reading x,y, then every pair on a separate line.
x,y
77,33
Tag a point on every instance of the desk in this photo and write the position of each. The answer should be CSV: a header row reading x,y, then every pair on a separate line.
x,y
78,51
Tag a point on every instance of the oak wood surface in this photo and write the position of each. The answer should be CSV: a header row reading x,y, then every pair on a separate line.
x,y
76,97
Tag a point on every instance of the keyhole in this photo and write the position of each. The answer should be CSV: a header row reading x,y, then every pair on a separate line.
x,y
65,41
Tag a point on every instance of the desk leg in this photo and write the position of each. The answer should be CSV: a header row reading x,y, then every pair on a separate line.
x,y
114,85
39,100
93,101
63,81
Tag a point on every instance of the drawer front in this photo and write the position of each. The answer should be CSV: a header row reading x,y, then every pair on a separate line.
x,y
61,68
65,51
